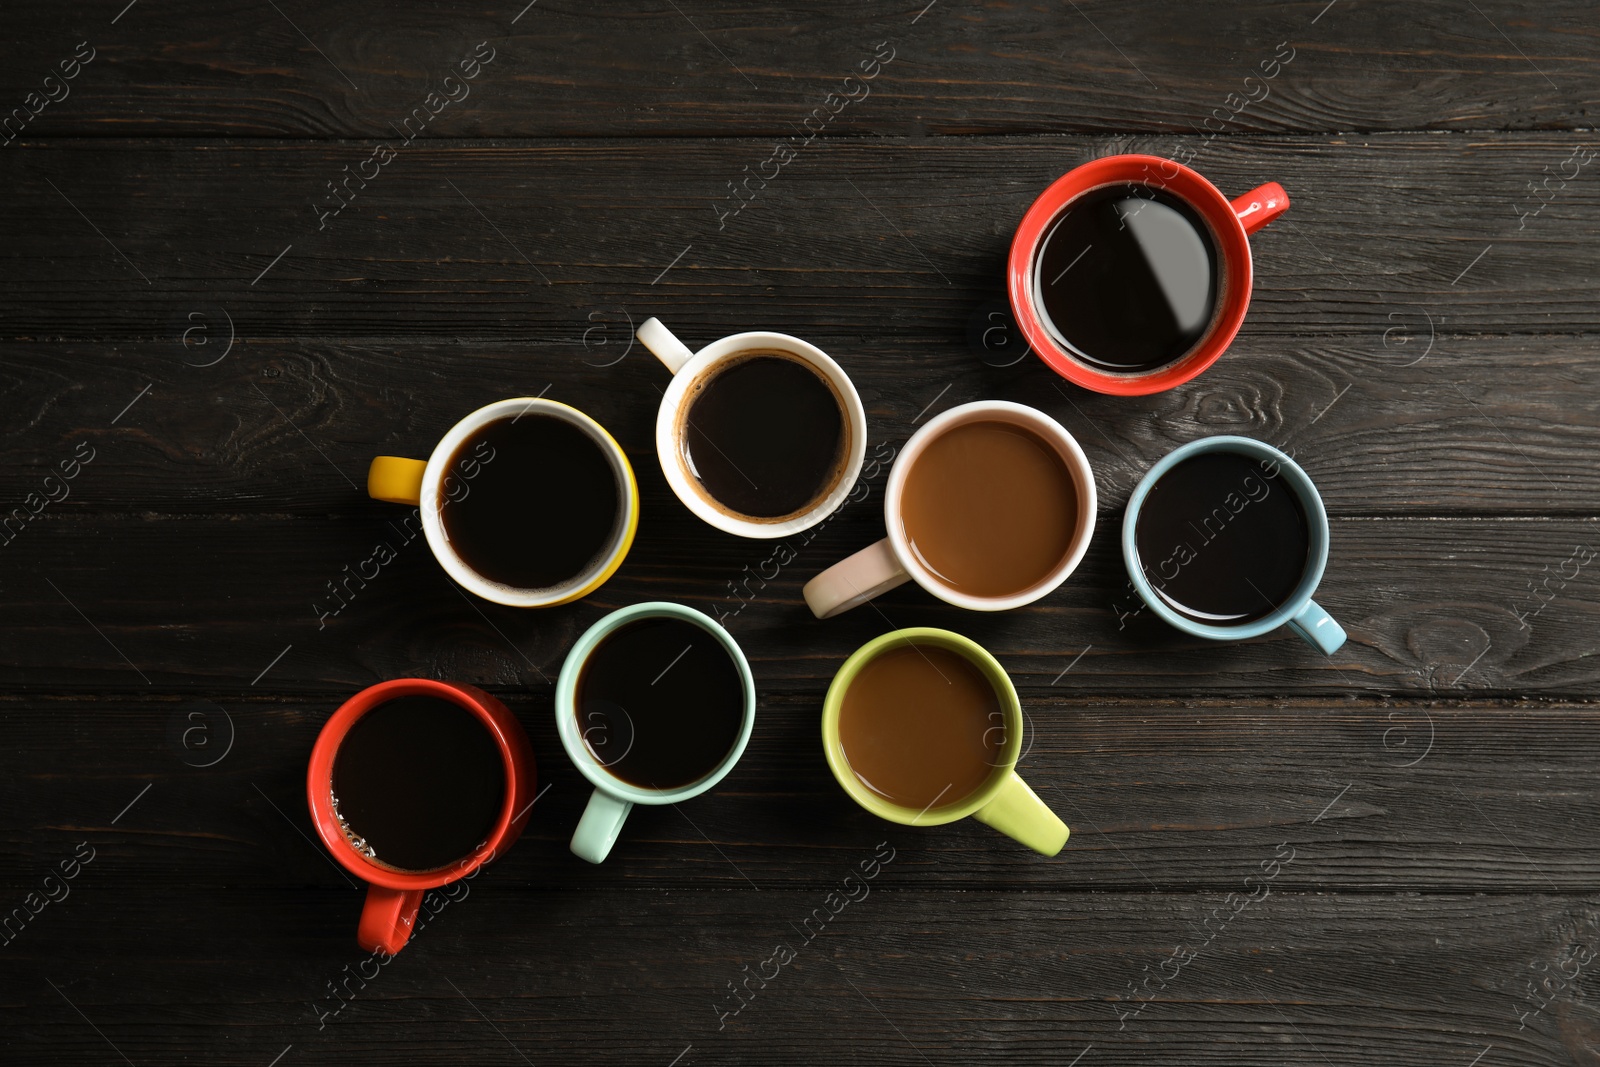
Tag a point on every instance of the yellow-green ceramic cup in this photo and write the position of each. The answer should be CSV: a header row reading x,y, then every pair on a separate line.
x,y
1004,801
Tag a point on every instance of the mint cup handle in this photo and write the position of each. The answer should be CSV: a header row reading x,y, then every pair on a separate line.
x,y
598,829
1318,628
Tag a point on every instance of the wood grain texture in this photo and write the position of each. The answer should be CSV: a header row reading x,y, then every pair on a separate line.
x,y
1389,236
351,67
900,977
1160,795
1426,426
187,298
1433,607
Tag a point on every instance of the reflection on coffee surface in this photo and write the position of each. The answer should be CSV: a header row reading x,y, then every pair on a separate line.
x,y
660,703
1126,278
765,435
538,503
921,725
990,508
418,783
1223,538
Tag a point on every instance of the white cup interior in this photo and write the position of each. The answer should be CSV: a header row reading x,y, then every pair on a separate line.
x,y
438,468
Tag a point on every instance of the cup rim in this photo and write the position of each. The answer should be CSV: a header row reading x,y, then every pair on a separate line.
x,y
566,703
463,575
839,763
1233,246
1031,418
700,363
1310,500
515,756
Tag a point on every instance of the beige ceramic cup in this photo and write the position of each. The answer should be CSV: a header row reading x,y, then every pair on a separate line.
x,y
892,562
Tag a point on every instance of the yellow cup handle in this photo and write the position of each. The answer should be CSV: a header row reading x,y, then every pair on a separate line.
x,y
397,480
1017,812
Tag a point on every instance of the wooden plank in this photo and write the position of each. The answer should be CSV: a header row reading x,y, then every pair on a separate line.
x,y
1389,236
1491,607
351,68
1470,426
502,976
1160,795
1407,815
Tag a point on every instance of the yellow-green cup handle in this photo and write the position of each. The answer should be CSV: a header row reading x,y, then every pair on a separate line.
x,y
1017,812
395,479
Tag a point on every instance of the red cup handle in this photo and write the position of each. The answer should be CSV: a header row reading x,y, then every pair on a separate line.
x,y
387,918
1260,206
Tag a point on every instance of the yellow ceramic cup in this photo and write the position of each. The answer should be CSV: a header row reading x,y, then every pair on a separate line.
x,y
426,484
1004,801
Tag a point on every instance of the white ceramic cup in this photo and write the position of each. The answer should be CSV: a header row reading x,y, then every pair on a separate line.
x,y
690,369
413,481
890,562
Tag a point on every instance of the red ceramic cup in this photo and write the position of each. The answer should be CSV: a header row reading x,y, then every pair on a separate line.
x,y
1230,221
394,897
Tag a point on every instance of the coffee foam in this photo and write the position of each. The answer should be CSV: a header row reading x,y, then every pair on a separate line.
x,y
705,377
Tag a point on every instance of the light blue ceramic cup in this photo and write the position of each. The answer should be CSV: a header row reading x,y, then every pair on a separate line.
x,y
613,798
1300,613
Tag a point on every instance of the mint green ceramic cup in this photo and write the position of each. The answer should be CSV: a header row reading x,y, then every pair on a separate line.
x,y
613,798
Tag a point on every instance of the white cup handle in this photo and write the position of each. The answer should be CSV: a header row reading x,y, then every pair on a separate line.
x,y
664,344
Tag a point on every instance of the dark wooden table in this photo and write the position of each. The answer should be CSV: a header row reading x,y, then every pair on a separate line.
x,y
213,342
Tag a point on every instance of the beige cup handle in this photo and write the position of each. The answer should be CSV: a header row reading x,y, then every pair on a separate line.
x,y
855,580
664,344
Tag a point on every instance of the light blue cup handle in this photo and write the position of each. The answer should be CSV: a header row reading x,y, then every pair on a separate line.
x,y
598,829
1318,628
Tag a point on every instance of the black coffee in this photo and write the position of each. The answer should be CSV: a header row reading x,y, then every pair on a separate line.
x,y
660,703
765,436
420,782
1223,538
1126,278
539,506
